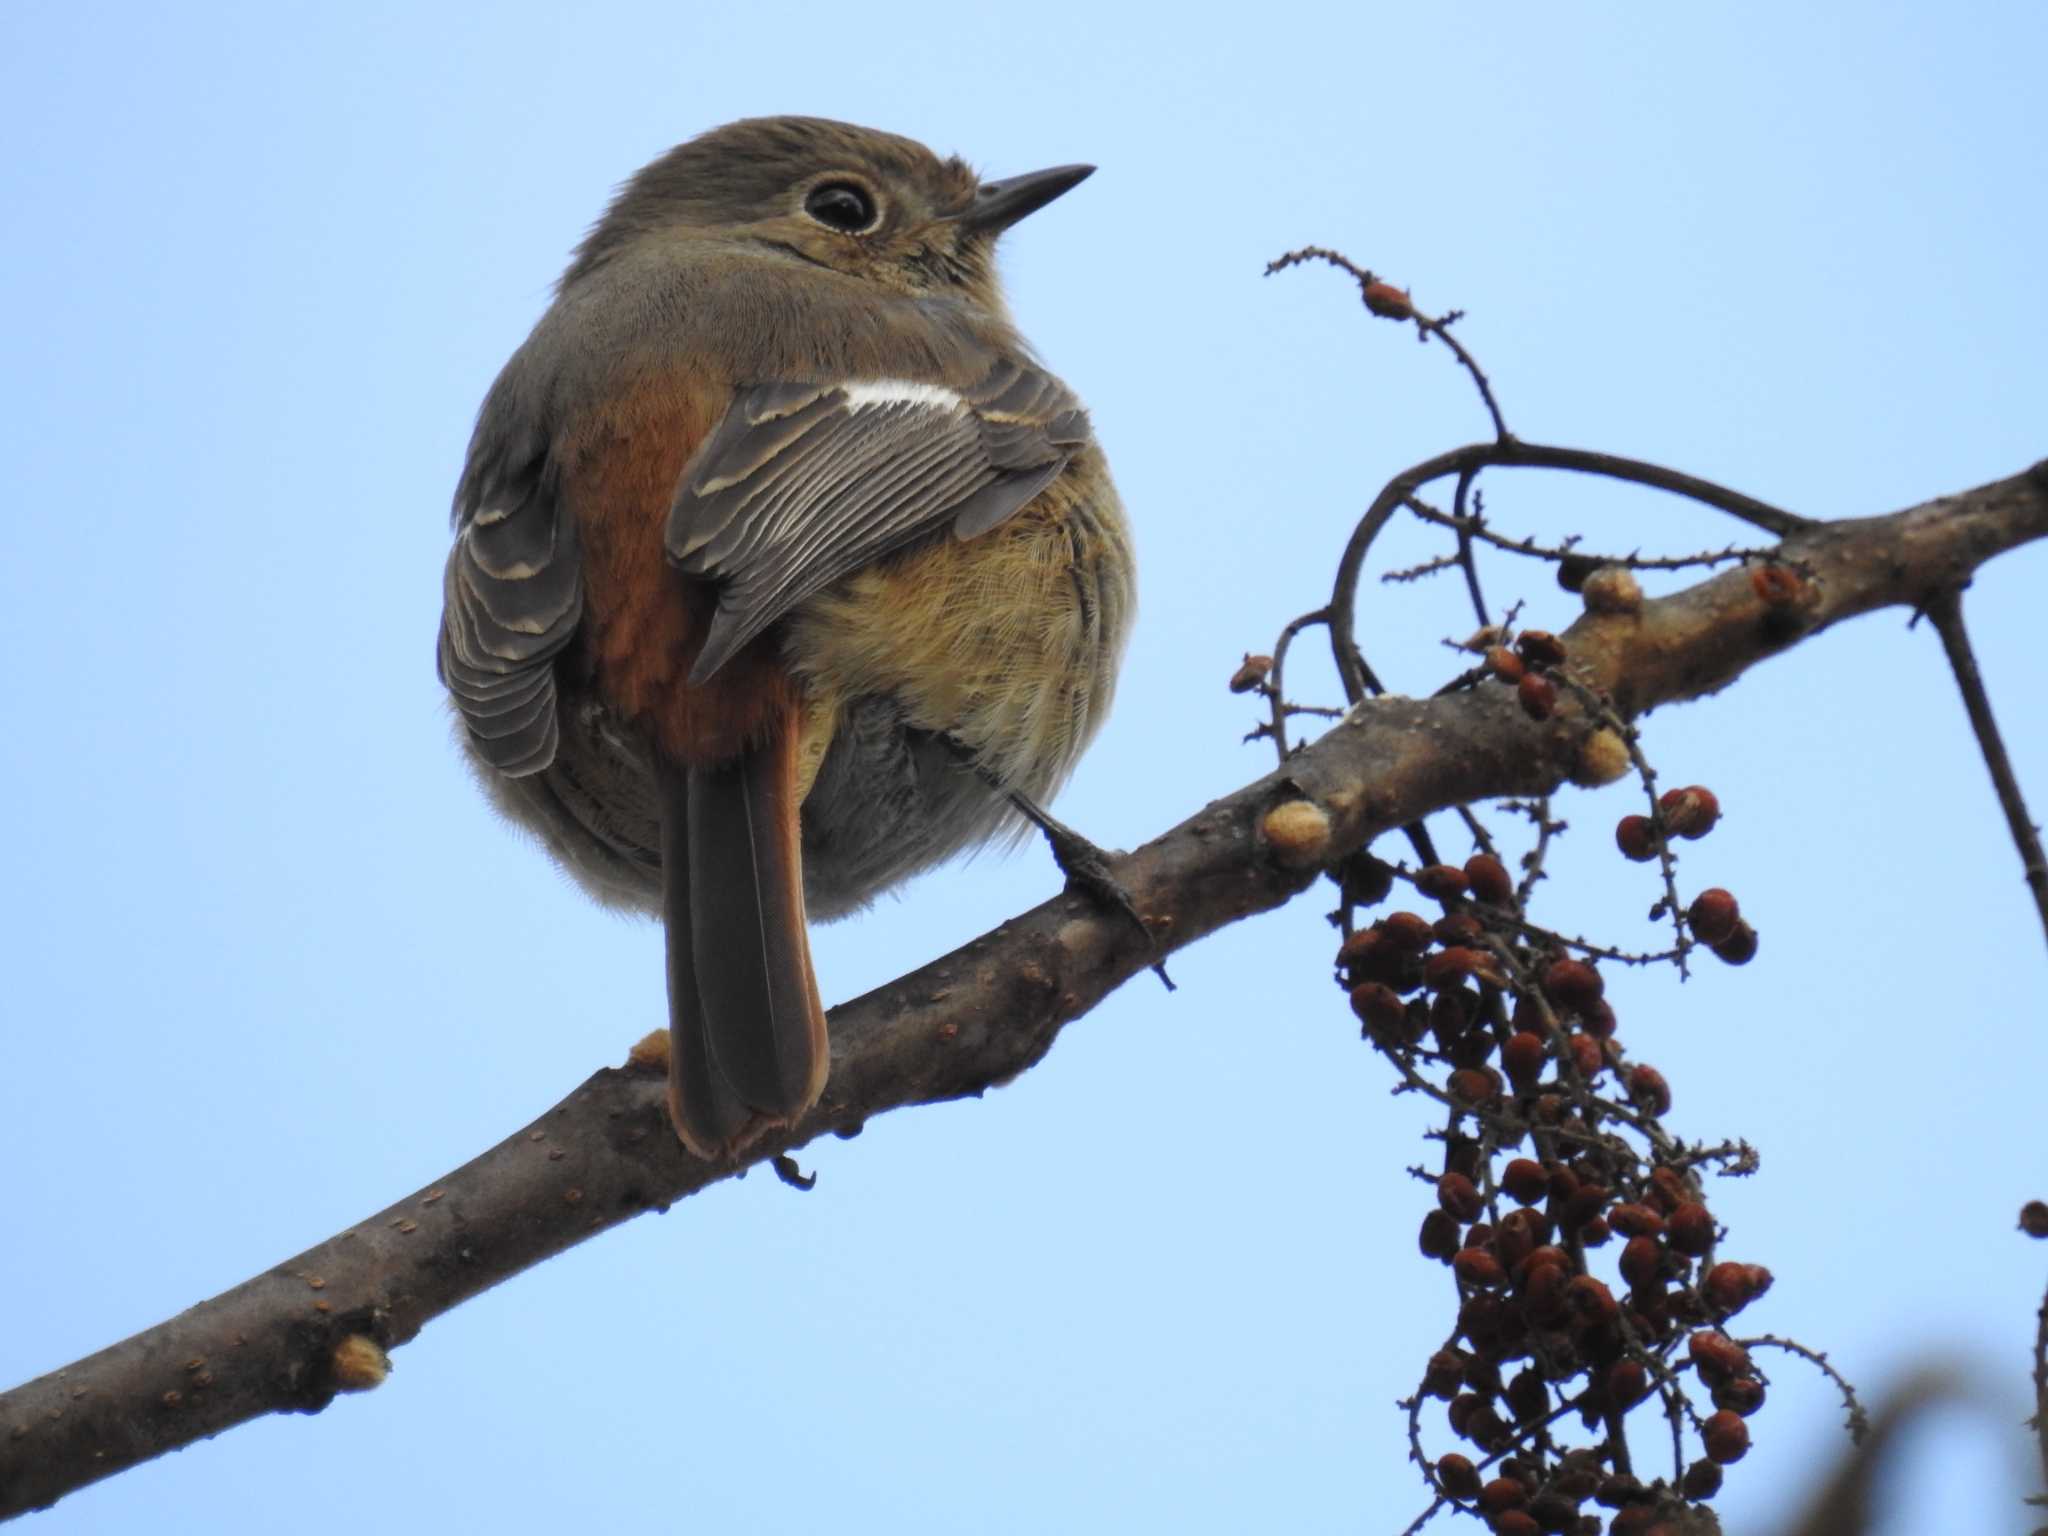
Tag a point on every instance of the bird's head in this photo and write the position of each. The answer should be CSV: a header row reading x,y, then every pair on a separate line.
x,y
855,200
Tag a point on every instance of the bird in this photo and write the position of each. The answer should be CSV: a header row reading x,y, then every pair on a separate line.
x,y
782,570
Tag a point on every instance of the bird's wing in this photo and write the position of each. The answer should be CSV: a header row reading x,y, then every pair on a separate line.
x,y
799,484
511,599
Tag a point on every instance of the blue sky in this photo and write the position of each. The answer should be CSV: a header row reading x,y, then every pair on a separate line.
x,y
270,962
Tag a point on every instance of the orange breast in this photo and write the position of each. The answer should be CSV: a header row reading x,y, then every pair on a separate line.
x,y
643,622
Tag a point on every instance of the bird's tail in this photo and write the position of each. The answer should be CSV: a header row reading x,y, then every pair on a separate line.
x,y
747,1044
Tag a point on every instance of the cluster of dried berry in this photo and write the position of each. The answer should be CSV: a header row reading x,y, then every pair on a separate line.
x,y
1554,1151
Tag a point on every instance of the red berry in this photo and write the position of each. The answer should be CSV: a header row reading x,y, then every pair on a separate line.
x,y
1739,948
1460,1479
1444,1374
1460,1197
1442,882
1743,1395
1474,1085
1538,695
1489,878
1717,1356
1713,915
1251,673
1457,928
1627,1383
1477,1267
1587,1055
1636,1221
1572,984
1522,1058
1636,837
1702,1480
1524,1179
1504,664
1726,1436
1590,1300
1690,812
1502,1494
1381,1010
1690,1229
1642,1261
1439,1239
1647,1087
1408,930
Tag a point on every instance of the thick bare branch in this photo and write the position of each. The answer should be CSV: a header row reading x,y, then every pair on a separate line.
x,y
289,1339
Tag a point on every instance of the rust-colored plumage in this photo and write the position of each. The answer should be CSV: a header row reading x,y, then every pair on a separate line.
x,y
771,534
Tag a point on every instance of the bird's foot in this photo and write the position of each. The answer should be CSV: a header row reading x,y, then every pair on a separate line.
x,y
1086,867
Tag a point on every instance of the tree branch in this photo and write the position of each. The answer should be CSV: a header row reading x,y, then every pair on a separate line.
x,y
289,1339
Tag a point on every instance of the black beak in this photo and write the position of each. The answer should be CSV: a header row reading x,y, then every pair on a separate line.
x,y
999,204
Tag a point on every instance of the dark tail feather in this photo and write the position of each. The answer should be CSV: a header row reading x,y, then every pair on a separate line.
x,y
748,1049
706,1113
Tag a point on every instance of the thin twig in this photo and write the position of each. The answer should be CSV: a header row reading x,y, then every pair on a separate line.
x,y
1945,611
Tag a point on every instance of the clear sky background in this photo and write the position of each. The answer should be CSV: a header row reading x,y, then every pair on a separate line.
x,y
270,962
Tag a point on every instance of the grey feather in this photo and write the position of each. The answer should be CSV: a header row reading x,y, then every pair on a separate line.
x,y
800,484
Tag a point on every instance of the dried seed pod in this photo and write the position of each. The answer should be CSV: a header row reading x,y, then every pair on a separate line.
x,y
1524,1179
1460,1197
1522,1058
1642,1261
1457,1476
1572,571
1725,1436
1540,648
1636,1221
1298,832
1554,1514
1690,1229
1538,696
1646,1086
1251,673
1572,984
1613,589
1713,916
2034,1218
1514,1522
1739,948
1439,1237
1759,1279
1603,758
1504,664
1489,879
1587,1055
1636,837
1690,812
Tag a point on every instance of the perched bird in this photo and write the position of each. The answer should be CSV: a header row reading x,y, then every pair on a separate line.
x,y
782,570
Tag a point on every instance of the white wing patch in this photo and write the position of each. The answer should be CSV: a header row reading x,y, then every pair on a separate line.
x,y
873,392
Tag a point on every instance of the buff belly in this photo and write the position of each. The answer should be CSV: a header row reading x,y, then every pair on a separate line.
x,y
998,653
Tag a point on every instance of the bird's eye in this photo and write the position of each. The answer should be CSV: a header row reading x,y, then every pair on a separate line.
x,y
841,205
